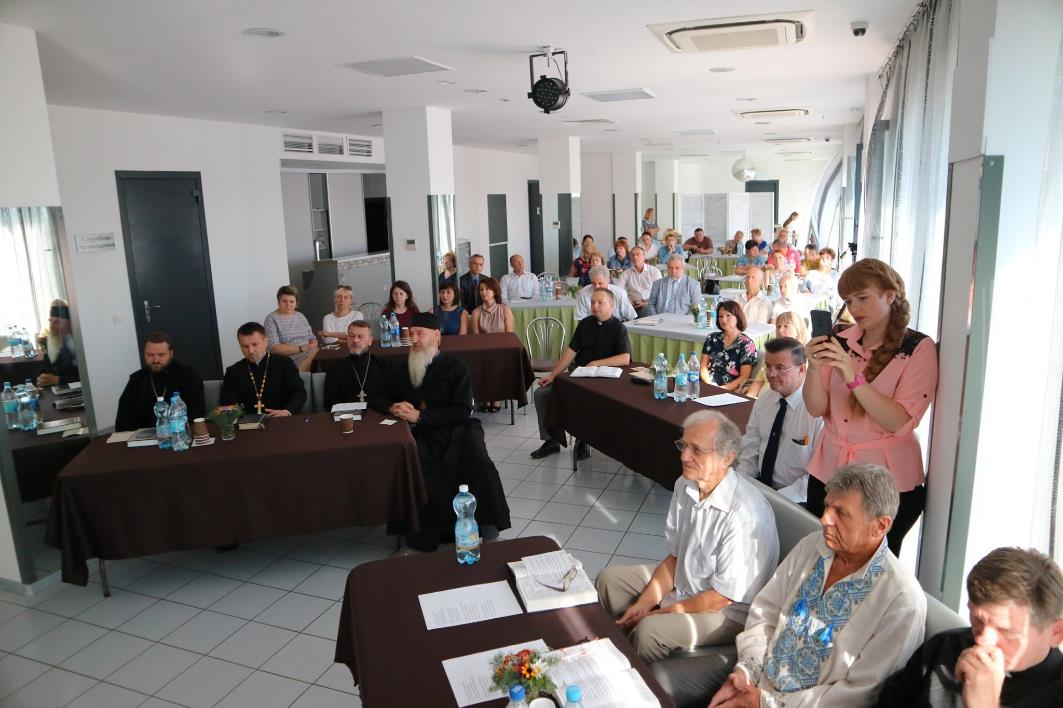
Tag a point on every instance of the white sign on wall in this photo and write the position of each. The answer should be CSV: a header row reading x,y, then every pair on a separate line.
x,y
87,243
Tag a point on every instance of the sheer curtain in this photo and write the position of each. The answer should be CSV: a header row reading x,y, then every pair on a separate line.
x,y
907,158
30,265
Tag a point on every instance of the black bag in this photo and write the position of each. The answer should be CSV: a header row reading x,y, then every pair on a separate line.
x,y
710,286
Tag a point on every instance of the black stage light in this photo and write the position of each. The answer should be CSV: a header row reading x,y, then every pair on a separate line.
x,y
548,93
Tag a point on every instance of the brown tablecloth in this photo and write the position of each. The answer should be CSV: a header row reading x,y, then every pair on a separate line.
x,y
397,662
294,477
499,364
18,370
623,420
38,458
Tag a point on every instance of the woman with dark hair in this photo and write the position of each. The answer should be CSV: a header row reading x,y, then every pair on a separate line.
x,y
492,315
288,331
450,270
728,357
453,317
596,259
872,383
401,303
60,358
582,263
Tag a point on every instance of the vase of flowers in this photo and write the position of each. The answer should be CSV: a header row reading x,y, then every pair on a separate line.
x,y
226,417
528,668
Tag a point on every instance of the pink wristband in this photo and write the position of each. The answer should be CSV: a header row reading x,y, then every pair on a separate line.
x,y
857,382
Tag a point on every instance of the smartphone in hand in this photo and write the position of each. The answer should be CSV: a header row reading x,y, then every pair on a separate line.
x,y
822,325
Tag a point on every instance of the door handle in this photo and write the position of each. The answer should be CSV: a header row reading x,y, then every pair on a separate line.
x,y
148,307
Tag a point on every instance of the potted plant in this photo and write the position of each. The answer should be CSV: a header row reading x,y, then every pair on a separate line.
x,y
226,418
528,668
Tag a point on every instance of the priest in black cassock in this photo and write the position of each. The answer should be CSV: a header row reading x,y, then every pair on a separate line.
x,y
262,382
161,375
361,377
433,393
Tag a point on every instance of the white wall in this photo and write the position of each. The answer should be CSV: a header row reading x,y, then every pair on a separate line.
x,y
346,211
479,172
596,198
240,171
295,197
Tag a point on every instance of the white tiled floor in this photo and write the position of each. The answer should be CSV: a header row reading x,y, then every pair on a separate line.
x,y
256,627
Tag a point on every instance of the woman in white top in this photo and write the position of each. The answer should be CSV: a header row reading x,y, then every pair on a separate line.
x,y
334,326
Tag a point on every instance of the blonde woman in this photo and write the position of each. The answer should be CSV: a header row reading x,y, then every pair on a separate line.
x,y
787,324
334,324
649,222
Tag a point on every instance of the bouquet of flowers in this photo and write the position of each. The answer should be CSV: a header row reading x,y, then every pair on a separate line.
x,y
527,667
226,417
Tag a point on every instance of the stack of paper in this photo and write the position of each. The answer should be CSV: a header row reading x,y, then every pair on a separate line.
x,y
600,372
540,580
603,674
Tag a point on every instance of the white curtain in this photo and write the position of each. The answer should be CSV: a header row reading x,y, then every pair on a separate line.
x,y
30,266
907,165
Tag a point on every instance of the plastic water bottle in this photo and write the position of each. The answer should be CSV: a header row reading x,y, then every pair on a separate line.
x,y
162,423
694,376
10,406
466,531
35,398
396,331
14,340
385,332
573,695
178,423
660,377
27,345
681,379
26,418
516,697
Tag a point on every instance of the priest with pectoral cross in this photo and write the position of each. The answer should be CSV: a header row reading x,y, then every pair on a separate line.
x,y
262,382
161,377
361,377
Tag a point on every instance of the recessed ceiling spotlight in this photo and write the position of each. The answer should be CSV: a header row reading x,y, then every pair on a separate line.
x,y
721,69
448,82
762,122
771,133
275,112
475,90
263,32
745,99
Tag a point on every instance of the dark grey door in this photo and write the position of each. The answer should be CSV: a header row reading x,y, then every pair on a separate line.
x,y
766,185
498,234
564,233
535,227
169,264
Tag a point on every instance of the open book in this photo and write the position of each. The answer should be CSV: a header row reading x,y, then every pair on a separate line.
x,y
604,675
596,372
542,581
58,426
252,421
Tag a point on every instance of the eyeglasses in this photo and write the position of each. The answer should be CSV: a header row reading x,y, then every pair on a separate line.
x,y
699,451
777,370
566,580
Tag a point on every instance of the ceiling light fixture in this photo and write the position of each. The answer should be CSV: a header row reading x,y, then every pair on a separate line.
x,y
549,93
477,91
397,66
745,99
263,32
634,94
275,112
721,69
448,82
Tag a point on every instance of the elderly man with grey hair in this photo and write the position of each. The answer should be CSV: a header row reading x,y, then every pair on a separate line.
x,y
673,293
721,546
839,615
599,276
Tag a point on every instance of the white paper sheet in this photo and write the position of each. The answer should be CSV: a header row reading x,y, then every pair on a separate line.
x,y
720,399
388,421
473,603
470,676
348,407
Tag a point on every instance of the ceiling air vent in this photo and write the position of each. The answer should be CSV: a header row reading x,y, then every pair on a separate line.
x,y
634,94
787,141
697,131
728,34
298,142
329,145
359,147
398,66
774,113
589,121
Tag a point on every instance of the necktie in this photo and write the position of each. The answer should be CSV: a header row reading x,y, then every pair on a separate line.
x,y
671,296
767,460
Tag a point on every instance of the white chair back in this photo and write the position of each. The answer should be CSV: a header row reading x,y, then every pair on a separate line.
x,y
317,385
371,311
309,405
546,340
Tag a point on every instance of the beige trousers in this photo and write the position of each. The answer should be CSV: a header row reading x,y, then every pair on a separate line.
x,y
655,637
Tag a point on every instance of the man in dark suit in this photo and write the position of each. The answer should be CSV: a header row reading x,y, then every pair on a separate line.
x,y
470,284
161,376
262,382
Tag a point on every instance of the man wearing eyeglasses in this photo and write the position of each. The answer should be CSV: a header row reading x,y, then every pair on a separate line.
x,y
721,548
780,433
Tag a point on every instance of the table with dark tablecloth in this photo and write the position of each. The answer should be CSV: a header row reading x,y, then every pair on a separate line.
x,y
498,362
294,477
17,370
38,458
623,420
398,663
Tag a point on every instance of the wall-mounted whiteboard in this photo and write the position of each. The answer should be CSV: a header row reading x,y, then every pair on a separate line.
x,y
722,214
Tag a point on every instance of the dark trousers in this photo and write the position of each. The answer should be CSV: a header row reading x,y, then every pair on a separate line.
x,y
912,505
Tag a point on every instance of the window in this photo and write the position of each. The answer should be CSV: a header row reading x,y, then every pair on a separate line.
x,y
319,221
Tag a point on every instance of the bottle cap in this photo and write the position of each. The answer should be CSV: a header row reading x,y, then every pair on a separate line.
x,y
573,694
463,489
516,693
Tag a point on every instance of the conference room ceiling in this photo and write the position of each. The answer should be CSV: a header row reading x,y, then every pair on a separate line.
x,y
192,59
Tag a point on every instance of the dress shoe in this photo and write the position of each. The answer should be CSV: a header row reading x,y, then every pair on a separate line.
x,y
583,451
547,448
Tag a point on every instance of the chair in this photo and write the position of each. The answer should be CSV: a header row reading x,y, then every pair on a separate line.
x,y
317,384
211,394
371,311
540,335
309,405
547,275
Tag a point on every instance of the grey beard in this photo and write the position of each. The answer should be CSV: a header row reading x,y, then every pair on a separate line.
x,y
417,363
55,345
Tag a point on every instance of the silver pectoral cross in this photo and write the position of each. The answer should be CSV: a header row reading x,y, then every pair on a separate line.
x,y
361,396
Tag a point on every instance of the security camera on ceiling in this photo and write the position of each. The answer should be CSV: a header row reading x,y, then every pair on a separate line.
x,y
549,93
859,28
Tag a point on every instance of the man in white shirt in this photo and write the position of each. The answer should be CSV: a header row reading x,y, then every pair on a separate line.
x,y
674,293
799,648
780,433
518,285
722,547
790,300
599,276
754,302
637,280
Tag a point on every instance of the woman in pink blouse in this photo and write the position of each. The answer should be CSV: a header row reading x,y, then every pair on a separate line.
x,y
872,383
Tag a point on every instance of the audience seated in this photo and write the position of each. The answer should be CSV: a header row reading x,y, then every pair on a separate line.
x,y
519,284
839,615
288,331
787,324
675,292
737,242
401,303
762,246
671,247
728,355
810,259
698,244
334,324
790,300
638,280
582,263
450,270
60,364
1009,656
621,259
752,258
756,305
361,377
161,377
599,278
452,317
491,315
823,281
469,284
791,254
262,382
597,260
649,222
599,340
650,245
433,393
780,433
722,548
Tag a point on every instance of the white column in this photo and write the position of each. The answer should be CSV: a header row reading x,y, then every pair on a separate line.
x,y
666,173
559,173
419,163
627,189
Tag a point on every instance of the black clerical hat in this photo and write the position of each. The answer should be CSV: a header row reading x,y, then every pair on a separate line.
x,y
426,320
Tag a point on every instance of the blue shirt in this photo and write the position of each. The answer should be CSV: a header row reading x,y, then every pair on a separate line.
x,y
743,260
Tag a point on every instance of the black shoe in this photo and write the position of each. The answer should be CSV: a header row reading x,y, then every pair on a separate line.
x,y
547,448
583,451
225,548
